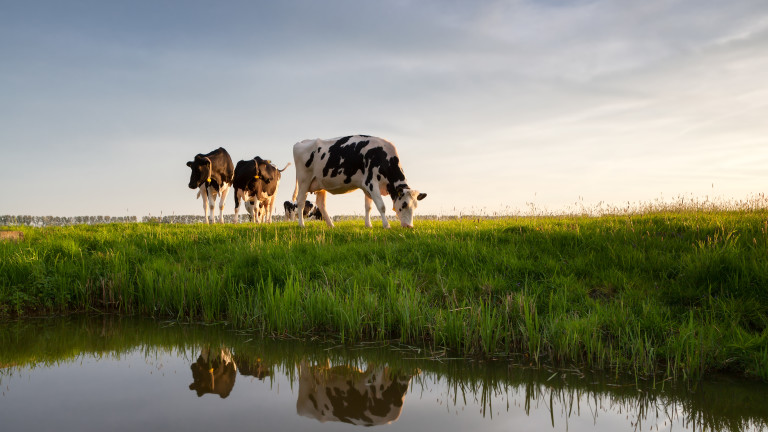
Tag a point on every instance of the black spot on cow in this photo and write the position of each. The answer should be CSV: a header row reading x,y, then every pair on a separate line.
x,y
349,404
322,156
309,161
388,167
405,204
345,159
396,191
342,140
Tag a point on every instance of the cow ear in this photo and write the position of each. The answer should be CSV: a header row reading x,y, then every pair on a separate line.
x,y
421,196
189,164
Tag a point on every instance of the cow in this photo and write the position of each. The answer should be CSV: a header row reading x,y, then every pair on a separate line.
x,y
212,173
346,394
214,372
341,165
256,181
310,210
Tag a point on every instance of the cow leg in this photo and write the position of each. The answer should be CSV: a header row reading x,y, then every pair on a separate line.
x,y
368,205
249,209
263,211
238,197
224,191
320,203
271,208
301,198
211,204
204,194
379,201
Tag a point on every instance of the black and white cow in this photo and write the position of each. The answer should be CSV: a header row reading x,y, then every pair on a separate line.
x,y
346,394
212,173
256,182
310,211
341,165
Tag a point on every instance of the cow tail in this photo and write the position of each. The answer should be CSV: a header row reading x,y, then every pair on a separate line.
x,y
296,189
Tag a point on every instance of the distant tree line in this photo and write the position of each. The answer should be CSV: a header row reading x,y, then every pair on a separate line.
x,y
45,221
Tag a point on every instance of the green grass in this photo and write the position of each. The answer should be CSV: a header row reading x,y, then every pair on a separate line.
x,y
680,293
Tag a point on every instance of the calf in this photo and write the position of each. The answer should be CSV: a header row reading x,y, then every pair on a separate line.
x,y
256,182
341,165
310,210
212,173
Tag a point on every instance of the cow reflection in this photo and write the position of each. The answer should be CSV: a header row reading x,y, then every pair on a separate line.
x,y
347,394
255,368
213,372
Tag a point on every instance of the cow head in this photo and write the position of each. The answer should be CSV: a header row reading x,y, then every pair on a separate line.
x,y
201,171
404,201
214,372
264,173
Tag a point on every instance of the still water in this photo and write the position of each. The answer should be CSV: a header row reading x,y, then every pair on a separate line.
x,y
112,373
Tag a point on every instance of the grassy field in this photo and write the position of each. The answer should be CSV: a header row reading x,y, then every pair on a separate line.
x,y
677,294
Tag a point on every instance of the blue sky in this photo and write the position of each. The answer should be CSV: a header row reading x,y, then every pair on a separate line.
x,y
493,105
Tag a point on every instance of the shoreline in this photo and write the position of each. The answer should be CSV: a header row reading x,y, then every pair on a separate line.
x,y
674,294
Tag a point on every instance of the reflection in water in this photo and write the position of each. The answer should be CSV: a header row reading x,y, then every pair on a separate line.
x,y
255,367
214,372
347,394
359,386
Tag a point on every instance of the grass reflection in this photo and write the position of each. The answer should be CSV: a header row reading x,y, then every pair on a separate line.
x,y
367,384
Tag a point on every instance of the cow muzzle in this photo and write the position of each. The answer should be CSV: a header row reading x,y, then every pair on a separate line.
x,y
405,225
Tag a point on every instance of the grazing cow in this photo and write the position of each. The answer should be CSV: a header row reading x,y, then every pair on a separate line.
x,y
256,183
341,165
212,173
214,372
310,211
346,394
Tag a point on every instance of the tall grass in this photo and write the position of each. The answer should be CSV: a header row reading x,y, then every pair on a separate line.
x,y
680,293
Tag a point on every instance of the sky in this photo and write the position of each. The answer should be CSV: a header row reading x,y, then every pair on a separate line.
x,y
494,106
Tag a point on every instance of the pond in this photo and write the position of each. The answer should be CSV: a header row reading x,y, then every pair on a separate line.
x,y
118,373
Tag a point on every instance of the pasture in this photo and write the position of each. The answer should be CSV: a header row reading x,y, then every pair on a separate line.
x,y
664,293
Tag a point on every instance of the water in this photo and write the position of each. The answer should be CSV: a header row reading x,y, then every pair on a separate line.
x,y
111,373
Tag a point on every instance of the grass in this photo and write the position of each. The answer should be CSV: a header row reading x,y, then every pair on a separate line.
x,y
675,293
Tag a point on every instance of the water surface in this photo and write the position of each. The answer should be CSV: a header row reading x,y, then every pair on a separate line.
x,y
116,373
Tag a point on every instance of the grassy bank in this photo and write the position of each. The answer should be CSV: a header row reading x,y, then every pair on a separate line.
x,y
679,294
